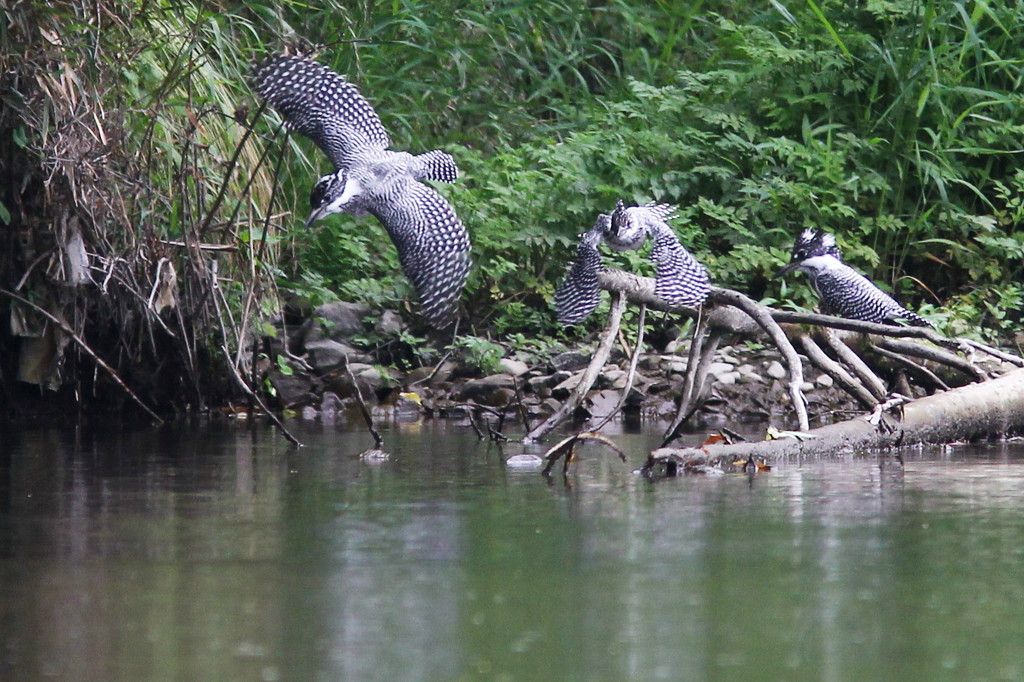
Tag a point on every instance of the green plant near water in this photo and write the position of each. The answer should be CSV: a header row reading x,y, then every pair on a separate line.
x,y
893,123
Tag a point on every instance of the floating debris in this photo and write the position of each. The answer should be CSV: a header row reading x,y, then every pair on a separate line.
x,y
374,456
525,462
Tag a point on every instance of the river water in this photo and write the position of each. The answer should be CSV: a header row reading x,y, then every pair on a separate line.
x,y
218,552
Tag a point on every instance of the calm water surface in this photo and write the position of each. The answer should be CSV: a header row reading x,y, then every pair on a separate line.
x,y
219,553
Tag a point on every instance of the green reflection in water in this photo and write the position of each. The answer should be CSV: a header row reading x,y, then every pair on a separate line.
x,y
218,553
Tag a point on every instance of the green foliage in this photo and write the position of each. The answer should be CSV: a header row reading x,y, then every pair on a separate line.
x,y
483,355
894,124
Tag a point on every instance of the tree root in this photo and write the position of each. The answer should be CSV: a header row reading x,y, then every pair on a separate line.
x,y
730,313
991,409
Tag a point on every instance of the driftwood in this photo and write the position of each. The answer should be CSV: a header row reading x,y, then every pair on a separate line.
x,y
730,313
990,409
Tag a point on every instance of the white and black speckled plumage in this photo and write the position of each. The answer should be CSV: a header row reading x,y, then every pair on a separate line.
x,y
680,280
842,290
369,179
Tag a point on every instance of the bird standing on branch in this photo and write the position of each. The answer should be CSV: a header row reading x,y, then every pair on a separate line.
x,y
369,179
680,280
844,291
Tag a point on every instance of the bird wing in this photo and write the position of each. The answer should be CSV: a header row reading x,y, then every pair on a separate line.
x,y
679,279
579,293
847,293
320,104
432,243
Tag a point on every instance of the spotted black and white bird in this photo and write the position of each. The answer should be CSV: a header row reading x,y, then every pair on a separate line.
x,y
679,280
844,291
370,179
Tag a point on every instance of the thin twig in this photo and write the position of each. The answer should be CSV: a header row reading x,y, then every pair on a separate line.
x,y
367,417
912,366
937,355
589,375
631,375
697,368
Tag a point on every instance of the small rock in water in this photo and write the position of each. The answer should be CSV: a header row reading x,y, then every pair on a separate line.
x,y
525,461
374,456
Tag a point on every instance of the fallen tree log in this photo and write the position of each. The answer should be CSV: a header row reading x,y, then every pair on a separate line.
x,y
990,409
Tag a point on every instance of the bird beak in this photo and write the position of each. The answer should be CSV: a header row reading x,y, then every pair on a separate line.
x,y
316,215
789,267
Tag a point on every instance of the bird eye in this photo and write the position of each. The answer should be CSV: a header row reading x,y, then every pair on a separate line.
x,y
316,197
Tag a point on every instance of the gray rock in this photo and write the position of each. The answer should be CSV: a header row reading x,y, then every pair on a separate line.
x,y
562,390
330,404
717,368
824,381
750,377
550,405
678,366
570,361
603,402
539,386
776,370
325,354
337,321
728,378
389,324
481,390
806,387
292,389
514,367
503,380
499,397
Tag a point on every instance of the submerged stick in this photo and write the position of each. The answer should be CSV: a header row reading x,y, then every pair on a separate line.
x,y
367,417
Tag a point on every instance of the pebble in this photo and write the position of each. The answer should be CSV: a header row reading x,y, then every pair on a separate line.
x,y
717,368
824,381
806,386
678,366
776,370
729,378
513,367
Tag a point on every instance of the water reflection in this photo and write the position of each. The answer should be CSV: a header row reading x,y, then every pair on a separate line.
x,y
218,552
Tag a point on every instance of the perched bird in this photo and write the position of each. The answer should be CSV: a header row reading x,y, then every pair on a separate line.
x,y
680,280
369,179
844,291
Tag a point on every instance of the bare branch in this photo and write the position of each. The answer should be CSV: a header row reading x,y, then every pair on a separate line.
x,y
589,375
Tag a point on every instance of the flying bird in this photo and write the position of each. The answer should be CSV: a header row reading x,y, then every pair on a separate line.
x,y
842,290
370,179
679,280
